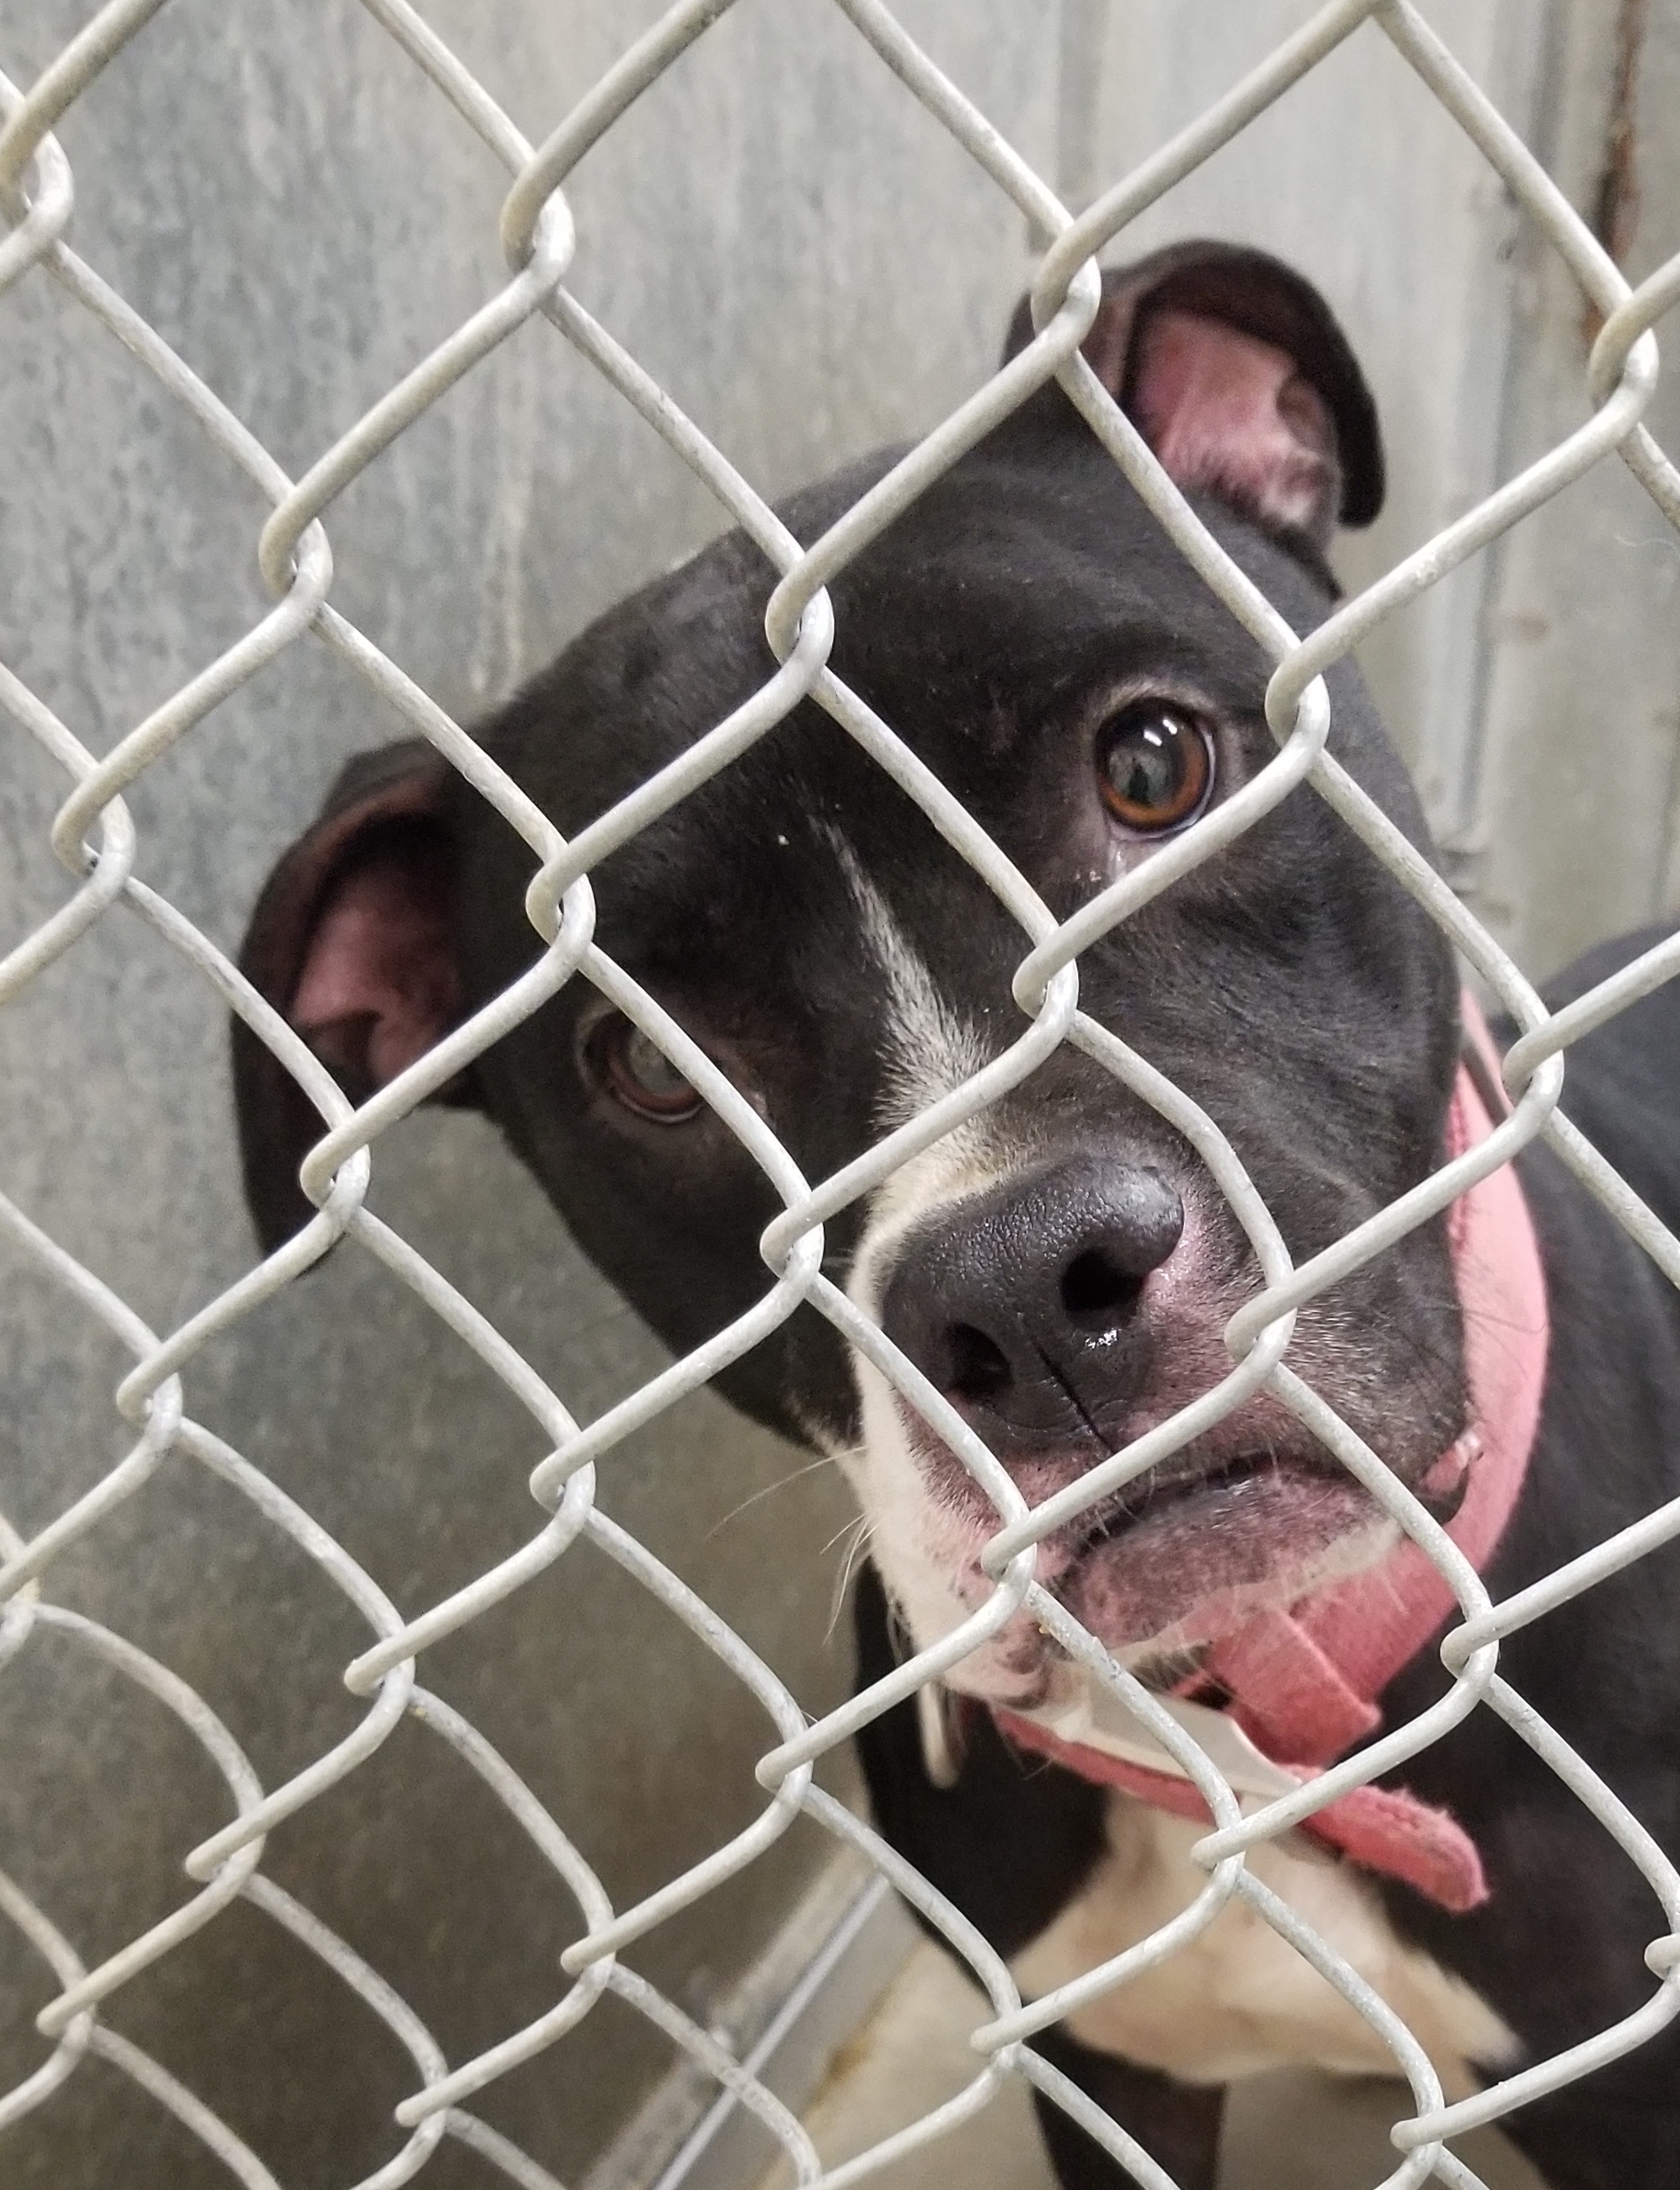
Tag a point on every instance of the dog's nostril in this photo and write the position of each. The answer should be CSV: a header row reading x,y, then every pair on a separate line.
x,y
978,1368
1143,1221
1094,1285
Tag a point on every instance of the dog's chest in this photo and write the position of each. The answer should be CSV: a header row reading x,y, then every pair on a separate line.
x,y
1238,1999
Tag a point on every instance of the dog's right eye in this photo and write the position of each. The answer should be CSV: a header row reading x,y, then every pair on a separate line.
x,y
637,1073
1155,765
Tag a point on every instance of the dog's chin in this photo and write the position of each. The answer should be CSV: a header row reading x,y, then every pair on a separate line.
x,y
1199,1559
1192,1563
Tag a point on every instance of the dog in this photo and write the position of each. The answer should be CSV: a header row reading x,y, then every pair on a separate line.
x,y
1061,1268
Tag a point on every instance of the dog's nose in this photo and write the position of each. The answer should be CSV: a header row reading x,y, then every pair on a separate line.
x,y
1020,1303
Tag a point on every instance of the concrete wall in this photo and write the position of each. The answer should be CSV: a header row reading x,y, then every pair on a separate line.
x,y
811,268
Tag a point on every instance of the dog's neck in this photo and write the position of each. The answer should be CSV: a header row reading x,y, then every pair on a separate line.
x,y
1299,1686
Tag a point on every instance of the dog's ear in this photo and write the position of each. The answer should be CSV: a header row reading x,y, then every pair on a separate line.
x,y
1233,369
352,941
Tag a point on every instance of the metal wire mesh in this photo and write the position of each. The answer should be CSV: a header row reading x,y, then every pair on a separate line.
x,y
95,839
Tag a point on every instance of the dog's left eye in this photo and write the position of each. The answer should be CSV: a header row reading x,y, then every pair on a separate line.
x,y
637,1074
1155,765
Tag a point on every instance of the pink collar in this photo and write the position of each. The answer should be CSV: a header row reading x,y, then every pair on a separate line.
x,y
1302,1684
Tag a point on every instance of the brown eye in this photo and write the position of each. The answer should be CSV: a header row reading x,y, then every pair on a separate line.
x,y
636,1072
1154,764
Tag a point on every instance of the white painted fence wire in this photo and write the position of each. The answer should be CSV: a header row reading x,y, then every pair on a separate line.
x,y
94,837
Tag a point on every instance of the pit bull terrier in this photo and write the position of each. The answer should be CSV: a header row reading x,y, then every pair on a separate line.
x,y
1062,1266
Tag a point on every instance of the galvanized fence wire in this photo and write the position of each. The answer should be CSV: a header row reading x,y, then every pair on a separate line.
x,y
94,836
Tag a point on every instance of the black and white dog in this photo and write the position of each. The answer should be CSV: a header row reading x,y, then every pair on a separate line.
x,y
1062,1267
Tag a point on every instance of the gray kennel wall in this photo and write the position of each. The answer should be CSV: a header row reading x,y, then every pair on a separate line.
x,y
811,268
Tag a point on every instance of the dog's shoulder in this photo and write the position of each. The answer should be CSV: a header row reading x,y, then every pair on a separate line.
x,y
1619,1080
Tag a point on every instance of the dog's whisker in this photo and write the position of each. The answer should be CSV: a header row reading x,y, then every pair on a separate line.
x,y
796,1474
845,1529
860,1532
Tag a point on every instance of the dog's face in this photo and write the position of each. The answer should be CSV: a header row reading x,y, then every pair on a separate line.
x,y
1062,1266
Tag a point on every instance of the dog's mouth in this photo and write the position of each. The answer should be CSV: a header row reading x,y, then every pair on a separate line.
x,y
1188,1557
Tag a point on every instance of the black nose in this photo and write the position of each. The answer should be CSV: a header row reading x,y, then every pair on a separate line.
x,y
1021,1303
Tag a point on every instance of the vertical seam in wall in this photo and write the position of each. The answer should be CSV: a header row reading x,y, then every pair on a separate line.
x,y
1467,824
1083,36
1615,222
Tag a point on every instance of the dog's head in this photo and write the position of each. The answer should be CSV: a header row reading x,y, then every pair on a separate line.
x,y
1062,1266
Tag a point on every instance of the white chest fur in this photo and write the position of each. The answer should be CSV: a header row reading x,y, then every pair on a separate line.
x,y
1239,2000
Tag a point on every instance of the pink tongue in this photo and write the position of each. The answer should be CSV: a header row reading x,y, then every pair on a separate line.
x,y
1203,1561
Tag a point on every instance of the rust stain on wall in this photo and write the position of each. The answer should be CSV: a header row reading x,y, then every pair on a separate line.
x,y
1615,205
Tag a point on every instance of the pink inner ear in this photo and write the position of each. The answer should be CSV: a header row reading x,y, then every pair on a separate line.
x,y
378,987
1226,411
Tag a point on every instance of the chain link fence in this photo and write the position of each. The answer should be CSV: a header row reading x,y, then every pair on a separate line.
x,y
95,838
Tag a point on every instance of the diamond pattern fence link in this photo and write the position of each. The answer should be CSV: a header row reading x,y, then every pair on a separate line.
x,y
95,838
